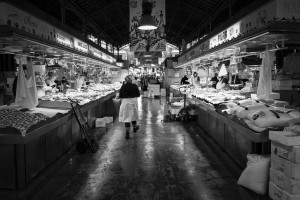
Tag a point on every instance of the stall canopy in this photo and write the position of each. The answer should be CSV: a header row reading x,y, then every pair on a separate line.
x,y
271,27
23,33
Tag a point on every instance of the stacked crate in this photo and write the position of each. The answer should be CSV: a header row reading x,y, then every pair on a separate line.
x,y
285,166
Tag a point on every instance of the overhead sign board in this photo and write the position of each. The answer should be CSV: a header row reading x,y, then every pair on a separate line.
x,y
81,46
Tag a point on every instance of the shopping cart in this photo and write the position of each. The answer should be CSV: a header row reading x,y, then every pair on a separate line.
x,y
86,142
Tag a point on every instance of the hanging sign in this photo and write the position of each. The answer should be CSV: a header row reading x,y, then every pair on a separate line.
x,y
81,46
139,39
255,20
23,21
64,38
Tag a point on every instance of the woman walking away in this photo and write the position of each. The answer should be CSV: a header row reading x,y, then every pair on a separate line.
x,y
128,109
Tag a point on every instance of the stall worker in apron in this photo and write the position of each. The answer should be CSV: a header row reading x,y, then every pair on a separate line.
x,y
128,109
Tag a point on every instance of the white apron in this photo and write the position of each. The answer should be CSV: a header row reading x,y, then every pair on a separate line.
x,y
128,110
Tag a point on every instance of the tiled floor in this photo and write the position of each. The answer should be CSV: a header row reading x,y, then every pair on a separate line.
x,y
163,160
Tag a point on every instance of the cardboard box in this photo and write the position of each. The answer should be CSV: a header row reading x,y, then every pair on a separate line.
x,y
100,122
290,153
289,169
109,119
286,138
277,193
291,186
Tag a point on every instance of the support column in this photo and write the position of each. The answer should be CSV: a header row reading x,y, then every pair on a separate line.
x,y
230,8
63,11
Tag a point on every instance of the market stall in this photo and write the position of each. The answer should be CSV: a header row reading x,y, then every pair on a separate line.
x,y
261,34
39,126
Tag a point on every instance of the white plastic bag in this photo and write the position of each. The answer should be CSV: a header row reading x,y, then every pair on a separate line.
x,y
265,77
256,175
270,118
243,112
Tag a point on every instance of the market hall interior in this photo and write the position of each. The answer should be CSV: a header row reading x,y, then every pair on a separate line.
x,y
165,159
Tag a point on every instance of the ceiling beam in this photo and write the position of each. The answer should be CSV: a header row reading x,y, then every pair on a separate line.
x,y
83,16
123,18
111,24
175,13
188,9
203,24
186,21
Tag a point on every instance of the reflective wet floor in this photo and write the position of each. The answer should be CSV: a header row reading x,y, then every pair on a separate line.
x,y
163,160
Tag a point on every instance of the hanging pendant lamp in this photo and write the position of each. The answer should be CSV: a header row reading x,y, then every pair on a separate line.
x,y
147,22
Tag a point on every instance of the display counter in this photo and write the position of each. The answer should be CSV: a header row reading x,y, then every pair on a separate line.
x,y
234,138
231,134
23,157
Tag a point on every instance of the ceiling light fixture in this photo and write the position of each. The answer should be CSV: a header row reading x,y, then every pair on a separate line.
x,y
147,22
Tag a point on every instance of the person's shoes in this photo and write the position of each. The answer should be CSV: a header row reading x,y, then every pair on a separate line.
x,y
127,135
136,128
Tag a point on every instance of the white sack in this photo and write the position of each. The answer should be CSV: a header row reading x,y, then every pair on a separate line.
x,y
256,175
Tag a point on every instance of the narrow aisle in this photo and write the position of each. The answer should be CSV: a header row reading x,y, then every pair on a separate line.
x,y
160,161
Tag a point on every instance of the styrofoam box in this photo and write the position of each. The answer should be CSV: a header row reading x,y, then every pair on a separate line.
x,y
100,122
290,169
274,95
253,96
277,193
285,137
290,153
291,186
109,119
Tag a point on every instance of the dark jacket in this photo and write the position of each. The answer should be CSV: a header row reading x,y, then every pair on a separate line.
x,y
184,80
129,90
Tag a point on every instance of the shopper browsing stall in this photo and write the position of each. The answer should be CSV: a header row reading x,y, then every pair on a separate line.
x,y
129,109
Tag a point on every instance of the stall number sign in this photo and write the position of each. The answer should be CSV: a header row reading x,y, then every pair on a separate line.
x,y
64,38
81,46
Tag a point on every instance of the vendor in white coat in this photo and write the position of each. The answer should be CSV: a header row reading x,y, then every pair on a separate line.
x,y
129,109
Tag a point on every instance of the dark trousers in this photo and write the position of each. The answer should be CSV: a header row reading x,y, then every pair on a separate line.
x,y
127,124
